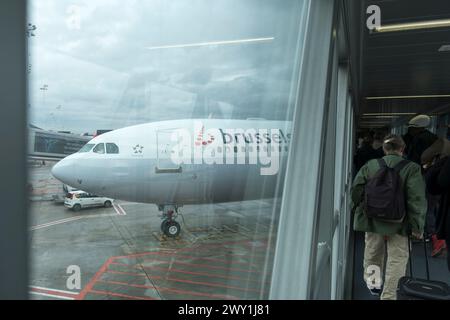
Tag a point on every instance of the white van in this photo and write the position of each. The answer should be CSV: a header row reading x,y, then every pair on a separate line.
x,y
76,200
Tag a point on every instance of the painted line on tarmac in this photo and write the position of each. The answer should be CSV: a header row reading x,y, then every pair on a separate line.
x,y
53,293
62,221
54,223
120,211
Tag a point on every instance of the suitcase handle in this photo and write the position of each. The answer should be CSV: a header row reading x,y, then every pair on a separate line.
x,y
426,257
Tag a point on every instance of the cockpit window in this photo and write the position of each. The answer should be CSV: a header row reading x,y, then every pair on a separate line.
x,y
100,148
112,148
87,147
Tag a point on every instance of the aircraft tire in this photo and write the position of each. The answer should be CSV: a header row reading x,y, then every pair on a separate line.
x,y
163,225
172,229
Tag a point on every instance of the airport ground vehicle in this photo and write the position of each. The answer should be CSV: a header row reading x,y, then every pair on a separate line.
x,y
77,200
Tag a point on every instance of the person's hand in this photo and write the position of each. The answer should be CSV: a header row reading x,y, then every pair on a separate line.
x,y
417,235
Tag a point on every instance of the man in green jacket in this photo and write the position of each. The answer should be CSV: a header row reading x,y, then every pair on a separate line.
x,y
395,234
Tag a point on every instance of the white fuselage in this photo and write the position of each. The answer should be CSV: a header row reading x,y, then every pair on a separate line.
x,y
184,162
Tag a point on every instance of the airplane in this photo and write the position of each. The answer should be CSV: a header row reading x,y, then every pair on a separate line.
x,y
179,162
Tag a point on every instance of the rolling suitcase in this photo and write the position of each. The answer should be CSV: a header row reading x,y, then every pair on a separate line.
x,y
411,288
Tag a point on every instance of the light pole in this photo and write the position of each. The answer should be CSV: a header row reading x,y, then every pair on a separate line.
x,y
44,89
30,29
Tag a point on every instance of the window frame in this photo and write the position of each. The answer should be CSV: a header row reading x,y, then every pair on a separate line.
x,y
296,246
14,271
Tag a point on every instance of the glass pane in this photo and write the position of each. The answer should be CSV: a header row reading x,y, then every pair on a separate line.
x,y
199,96
112,148
100,148
88,147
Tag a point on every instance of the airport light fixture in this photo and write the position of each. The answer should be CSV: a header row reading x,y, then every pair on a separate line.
x,y
399,114
44,88
431,96
375,122
30,28
213,43
380,117
432,24
444,48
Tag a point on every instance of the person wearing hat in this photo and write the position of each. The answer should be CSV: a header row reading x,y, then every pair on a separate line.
x,y
422,142
420,138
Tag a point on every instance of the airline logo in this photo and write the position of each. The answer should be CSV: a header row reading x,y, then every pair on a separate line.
x,y
253,137
201,141
138,149
261,147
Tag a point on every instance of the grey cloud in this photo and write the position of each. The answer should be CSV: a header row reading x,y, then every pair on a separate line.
x,y
104,76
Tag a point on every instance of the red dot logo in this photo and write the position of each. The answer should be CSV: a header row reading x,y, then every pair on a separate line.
x,y
201,141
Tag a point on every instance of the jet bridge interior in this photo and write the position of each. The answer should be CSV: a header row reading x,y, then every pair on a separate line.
x,y
404,73
377,80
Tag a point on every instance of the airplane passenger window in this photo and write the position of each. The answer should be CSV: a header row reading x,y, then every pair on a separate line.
x,y
186,109
100,148
112,148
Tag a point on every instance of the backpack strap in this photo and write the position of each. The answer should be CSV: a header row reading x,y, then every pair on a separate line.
x,y
402,164
382,163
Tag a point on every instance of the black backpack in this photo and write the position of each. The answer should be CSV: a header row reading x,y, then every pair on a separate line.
x,y
385,194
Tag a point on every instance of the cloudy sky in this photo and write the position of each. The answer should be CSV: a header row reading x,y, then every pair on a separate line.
x,y
99,61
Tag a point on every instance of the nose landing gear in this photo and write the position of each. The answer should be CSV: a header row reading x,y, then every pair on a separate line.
x,y
169,226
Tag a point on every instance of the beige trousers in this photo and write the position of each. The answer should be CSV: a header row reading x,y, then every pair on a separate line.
x,y
397,260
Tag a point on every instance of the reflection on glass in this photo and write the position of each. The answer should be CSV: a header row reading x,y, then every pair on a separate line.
x,y
88,147
174,77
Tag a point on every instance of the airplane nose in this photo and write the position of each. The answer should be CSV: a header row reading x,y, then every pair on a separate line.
x,y
64,171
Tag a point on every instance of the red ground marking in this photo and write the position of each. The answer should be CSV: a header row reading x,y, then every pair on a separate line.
x,y
104,269
212,285
208,258
176,291
90,285
132,274
113,294
195,282
193,248
203,265
195,273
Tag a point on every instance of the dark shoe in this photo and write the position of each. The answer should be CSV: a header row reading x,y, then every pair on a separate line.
x,y
375,292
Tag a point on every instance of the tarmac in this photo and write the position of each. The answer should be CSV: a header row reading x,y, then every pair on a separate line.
x,y
223,252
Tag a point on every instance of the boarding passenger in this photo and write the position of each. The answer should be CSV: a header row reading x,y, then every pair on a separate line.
x,y
423,140
389,204
420,137
431,159
438,182
372,149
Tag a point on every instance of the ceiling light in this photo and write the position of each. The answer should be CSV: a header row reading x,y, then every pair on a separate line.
x,y
390,114
410,97
414,26
380,117
444,48
213,43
